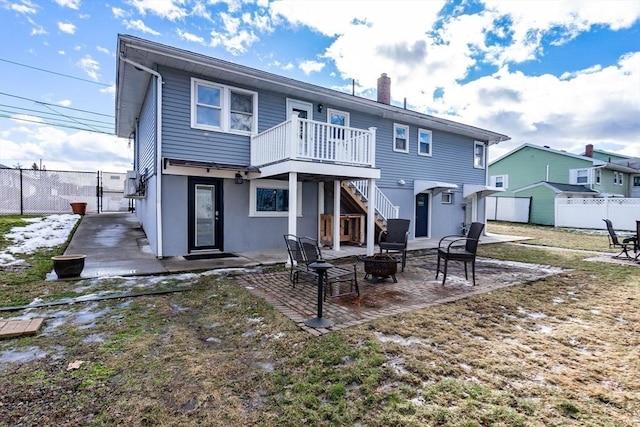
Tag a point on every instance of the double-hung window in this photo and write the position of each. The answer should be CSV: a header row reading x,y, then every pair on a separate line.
x,y
615,178
500,181
579,176
598,174
478,155
424,142
223,108
400,138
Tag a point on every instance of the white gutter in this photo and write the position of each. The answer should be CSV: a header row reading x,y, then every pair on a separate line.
x,y
159,84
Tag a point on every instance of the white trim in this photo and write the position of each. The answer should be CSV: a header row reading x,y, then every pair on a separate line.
x,y
493,181
299,105
225,107
347,116
484,154
426,154
396,127
254,184
595,162
484,190
444,195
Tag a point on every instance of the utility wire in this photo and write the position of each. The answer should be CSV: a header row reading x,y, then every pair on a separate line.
x,y
46,112
74,120
56,125
55,105
53,72
50,119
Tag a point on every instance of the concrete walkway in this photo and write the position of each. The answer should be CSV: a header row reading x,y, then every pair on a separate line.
x,y
116,245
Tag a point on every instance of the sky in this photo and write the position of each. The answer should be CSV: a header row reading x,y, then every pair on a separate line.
x,y
557,73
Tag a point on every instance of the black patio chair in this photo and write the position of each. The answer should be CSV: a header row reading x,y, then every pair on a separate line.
x,y
450,248
304,251
395,238
614,241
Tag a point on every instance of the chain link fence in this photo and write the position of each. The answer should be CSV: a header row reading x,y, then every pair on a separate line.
x,y
27,191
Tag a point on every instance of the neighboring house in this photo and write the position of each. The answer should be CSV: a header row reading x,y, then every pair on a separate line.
x,y
544,174
543,196
230,158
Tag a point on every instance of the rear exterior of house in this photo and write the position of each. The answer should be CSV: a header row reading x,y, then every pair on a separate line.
x,y
229,158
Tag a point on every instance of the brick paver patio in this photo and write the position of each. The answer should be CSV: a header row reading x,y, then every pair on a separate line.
x,y
416,289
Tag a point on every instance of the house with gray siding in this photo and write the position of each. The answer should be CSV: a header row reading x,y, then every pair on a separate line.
x,y
229,159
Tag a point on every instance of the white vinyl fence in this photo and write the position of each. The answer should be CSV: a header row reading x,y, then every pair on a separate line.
x,y
513,209
589,213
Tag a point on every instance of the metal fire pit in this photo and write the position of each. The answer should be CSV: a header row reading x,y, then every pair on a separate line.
x,y
380,266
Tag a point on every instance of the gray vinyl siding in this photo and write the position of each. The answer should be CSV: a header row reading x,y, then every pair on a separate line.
x,y
146,213
146,138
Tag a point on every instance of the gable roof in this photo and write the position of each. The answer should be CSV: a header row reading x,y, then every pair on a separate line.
x,y
132,83
559,188
595,162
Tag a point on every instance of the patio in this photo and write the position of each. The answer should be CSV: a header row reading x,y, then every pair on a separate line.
x,y
417,288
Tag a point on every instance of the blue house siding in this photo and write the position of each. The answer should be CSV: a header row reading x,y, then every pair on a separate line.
x,y
241,232
147,129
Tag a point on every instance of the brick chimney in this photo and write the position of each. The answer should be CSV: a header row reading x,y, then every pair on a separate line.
x,y
384,89
588,150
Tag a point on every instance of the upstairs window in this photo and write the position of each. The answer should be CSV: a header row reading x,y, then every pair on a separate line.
x,y
636,181
424,142
500,181
478,155
579,176
223,108
337,118
598,174
400,138
615,178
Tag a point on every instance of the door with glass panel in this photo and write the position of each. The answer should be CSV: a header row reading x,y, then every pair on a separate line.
x,y
205,214
305,133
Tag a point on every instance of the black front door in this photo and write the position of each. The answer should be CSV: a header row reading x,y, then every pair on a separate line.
x,y
422,215
205,214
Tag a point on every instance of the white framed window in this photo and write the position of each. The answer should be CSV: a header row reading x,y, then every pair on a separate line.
x,y
636,181
615,178
447,198
223,108
424,142
500,181
579,176
270,198
598,174
337,118
478,155
400,138
620,175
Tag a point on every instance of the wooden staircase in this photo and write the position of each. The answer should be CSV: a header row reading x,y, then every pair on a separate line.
x,y
352,201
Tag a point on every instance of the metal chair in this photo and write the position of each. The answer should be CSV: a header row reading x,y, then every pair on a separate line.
x,y
614,241
395,238
450,249
304,251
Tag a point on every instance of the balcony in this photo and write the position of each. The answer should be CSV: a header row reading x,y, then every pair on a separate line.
x,y
316,143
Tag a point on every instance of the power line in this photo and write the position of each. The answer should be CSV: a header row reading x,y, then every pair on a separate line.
x,y
46,112
53,72
56,125
55,105
55,119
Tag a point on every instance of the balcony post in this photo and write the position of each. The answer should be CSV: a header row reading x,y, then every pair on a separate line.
x,y
372,148
293,136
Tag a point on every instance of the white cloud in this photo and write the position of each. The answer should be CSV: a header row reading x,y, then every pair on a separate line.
x,y
67,27
118,13
309,67
61,52
72,4
65,102
24,7
103,50
111,89
168,9
189,36
90,66
38,31
138,25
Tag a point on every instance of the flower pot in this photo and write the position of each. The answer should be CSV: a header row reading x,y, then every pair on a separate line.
x,y
67,266
79,208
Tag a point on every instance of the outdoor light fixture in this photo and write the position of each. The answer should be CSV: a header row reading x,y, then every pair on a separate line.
x,y
401,182
239,178
320,107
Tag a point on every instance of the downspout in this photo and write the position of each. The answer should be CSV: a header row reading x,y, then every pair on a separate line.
x,y
159,84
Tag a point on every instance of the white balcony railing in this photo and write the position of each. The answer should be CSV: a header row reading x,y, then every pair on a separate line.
x,y
385,209
304,139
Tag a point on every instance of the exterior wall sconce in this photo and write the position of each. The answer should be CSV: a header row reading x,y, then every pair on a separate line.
x,y
239,179
320,107
401,182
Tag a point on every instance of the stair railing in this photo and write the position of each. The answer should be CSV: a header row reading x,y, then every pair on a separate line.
x,y
384,208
